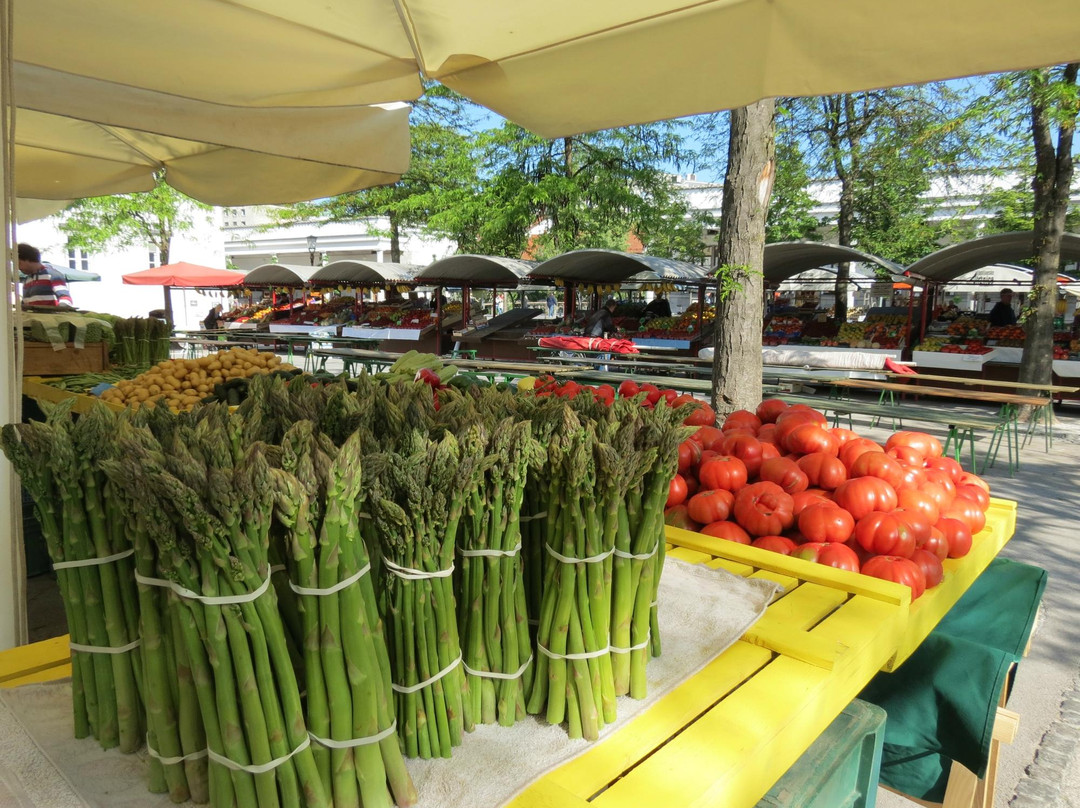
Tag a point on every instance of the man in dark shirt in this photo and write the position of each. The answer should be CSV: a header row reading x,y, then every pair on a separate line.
x,y
658,307
600,321
1002,313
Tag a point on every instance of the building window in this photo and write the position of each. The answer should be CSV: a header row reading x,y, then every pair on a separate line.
x,y
78,259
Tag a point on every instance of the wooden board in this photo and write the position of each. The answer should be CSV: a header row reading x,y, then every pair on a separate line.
x,y
941,392
39,359
39,391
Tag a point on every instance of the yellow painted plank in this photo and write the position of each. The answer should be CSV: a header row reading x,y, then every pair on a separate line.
x,y
610,758
689,556
546,793
794,643
734,567
46,675
806,606
788,582
27,659
44,392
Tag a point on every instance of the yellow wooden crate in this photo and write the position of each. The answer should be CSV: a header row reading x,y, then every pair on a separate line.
x,y
39,391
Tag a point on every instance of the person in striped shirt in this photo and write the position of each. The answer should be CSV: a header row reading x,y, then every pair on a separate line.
x,y
41,287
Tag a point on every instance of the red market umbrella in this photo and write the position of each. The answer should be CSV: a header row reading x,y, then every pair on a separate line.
x,y
186,276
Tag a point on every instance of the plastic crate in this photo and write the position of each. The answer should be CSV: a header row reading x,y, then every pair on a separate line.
x,y
840,769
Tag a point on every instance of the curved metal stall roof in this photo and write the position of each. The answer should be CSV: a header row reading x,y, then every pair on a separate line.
x,y
784,259
955,260
612,266
476,270
280,275
360,272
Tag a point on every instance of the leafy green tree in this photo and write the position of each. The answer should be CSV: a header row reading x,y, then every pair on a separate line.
x,y
148,219
599,190
789,217
441,176
1014,209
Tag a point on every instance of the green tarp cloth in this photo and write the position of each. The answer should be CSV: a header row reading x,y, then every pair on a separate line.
x,y
942,701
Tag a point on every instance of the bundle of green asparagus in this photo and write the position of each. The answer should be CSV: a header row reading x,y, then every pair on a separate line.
x,y
417,504
59,463
350,704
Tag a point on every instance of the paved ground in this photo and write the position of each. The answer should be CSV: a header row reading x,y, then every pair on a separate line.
x,y
1042,766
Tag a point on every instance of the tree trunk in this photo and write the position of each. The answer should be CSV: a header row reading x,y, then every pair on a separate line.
x,y
844,222
163,245
747,187
395,240
1053,179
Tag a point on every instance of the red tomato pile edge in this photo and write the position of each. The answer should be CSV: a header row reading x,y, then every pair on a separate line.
x,y
780,479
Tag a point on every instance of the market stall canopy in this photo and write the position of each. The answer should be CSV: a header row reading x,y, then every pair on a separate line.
x,y
476,270
362,272
612,266
185,275
953,261
280,275
97,119
824,280
785,259
992,279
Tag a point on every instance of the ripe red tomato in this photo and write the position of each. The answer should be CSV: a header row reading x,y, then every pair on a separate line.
x,y
792,418
967,512
764,509
777,544
920,502
926,445
885,534
938,493
931,567
946,464
711,506
742,419
974,493
667,396
967,478
767,433
704,415
900,570
770,408
842,435
936,544
942,478
855,447
785,473
913,478
709,437
723,471
957,534
829,554
628,389
676,491
689,455
652,393
768,452
804,499
864,495
826,522
817,415
692,485
823,470
917,523
726,530
877,464
679,517
745,447
905,455
809,438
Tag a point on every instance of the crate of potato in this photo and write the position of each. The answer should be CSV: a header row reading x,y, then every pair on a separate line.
x,y
183,383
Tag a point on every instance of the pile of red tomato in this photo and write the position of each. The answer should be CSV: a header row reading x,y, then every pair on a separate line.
x,y
653,395
781,479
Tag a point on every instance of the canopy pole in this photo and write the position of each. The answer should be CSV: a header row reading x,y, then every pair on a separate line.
x,y
466,308
438,322
168,307
700,308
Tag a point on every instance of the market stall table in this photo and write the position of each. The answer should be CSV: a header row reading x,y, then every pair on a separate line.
x,y
730,731
368,358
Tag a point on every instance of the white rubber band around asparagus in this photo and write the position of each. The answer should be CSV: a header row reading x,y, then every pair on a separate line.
x,y
429,681
637,556
209,600
409,574
638,647
330,590
105,649
496,674
257,768
582,655
171,761
349,744
513,551
571,560
93,562
540,515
